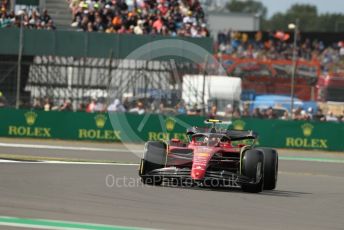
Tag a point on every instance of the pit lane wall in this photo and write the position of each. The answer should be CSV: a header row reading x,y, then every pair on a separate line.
x,y
138,128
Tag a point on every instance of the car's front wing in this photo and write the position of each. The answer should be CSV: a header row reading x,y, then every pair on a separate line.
x,y
220,178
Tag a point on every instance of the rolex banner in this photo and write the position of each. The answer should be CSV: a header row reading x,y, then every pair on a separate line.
x,y
128,127
295,134
115,127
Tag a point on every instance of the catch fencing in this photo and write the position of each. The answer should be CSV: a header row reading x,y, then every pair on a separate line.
x,y
60,65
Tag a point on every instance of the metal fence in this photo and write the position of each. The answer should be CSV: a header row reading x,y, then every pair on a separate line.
x,y
80,79
60,65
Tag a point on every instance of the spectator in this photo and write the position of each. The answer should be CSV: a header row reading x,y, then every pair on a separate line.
x,y
2,100
296,114
34,19
66,105
138,109
126,103
319,116
98,23
270,113
90,27
158,24
100,105
161,108
304,116
310,113
139,28
236,114
81,107
116,106
331,117
246,112
229,110
50,25
180,107
3,5
189,19
285,115
341,50
6,19
90,108
257,114
342,117
37,104
47,105
46,17
213,112
194,110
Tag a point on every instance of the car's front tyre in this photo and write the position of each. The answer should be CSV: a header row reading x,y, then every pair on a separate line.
x,y
154,157
270,168
252,166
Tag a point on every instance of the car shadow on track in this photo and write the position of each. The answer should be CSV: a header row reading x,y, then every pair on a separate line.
x,y
284,193
277,193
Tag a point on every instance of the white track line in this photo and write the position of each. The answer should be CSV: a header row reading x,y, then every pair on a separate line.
x,y
6,161
31,226
55,147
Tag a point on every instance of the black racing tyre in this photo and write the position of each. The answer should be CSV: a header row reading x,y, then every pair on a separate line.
x,y
270,168
252,166
154,157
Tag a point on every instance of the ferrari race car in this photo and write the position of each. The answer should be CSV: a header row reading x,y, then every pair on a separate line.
x,y
213,157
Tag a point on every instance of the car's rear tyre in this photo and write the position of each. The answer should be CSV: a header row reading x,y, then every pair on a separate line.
x,y
270,168
154,157
252,166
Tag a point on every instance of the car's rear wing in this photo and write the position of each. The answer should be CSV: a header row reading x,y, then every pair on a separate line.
x,y
233,135
215,121
236,135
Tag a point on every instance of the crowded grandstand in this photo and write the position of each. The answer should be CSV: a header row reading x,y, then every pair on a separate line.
x,y
173,18
28,19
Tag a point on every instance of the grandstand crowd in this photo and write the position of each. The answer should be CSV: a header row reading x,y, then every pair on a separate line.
x,y
279,46
28,19
95,105
163,17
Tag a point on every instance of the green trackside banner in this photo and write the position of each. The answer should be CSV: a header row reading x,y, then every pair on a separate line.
x,y
295,134
129,127
126,127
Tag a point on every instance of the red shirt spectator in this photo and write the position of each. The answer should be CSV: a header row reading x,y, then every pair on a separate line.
x,y
91,106
163,9
122,30
158,24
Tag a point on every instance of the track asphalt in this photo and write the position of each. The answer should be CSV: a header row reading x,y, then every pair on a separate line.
x,y
309,195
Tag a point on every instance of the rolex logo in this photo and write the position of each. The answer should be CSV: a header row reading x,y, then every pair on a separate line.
x,y
30,117
170,123
100,120
307,129
238,125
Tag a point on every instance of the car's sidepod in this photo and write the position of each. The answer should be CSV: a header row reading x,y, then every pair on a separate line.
x,y
201,158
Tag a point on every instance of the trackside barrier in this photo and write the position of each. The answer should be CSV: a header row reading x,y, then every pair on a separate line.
x,y
128,127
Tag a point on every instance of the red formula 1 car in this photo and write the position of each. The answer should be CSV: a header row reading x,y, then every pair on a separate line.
x,y
213,157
